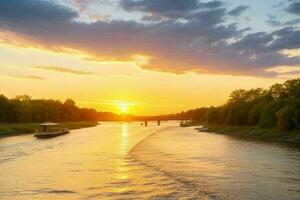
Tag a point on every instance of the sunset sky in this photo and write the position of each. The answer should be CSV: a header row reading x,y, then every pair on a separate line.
x,y
146,57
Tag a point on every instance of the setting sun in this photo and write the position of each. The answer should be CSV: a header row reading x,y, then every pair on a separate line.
x,y
123,107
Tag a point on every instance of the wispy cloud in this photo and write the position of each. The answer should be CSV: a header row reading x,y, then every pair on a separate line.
x,y
64,70
31,77
238,11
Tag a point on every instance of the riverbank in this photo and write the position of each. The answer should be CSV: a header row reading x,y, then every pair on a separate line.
x,y
254,132
13,129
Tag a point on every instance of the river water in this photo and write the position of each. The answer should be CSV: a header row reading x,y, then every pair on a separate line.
x,y
130,161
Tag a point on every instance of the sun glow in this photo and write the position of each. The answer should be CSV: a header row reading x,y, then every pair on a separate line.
x,y
123,107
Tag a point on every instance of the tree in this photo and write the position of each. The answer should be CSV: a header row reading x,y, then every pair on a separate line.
x,y
3,108
284,117
268,117
24,109
296,118
255,114
211,115
279,106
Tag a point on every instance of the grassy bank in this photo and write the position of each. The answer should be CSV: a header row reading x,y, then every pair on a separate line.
x,y
255,132
25,128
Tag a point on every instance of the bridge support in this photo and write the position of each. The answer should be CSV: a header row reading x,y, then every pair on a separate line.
x,y
146,123
158,122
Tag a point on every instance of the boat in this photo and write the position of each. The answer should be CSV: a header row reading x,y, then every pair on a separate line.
x,y
49,130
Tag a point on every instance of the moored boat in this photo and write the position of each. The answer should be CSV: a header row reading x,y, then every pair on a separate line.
x,y
49,130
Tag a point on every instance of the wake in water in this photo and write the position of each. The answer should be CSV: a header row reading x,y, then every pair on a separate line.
x,y
209,166
152,158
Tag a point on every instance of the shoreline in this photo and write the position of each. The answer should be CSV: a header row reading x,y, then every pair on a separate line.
x,y
250,132
15,129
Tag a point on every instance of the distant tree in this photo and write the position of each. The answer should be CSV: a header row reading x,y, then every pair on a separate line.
x,y
3,108
296,118
70,109
23,108
222,113
23,97
284,117
279,106
277,91
212,115
198,114
255,114
268,117
292,88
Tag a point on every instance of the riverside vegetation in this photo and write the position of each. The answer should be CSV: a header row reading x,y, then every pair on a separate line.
x,y
22,114
272,113
10,129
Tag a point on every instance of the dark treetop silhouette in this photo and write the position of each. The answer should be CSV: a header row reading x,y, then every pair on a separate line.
x,y
24,109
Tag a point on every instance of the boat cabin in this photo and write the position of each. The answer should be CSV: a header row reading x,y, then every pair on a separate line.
x,y
48,126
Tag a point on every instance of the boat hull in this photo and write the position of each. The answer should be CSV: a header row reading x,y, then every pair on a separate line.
x,y
50,135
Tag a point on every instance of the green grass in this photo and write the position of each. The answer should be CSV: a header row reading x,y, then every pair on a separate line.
x,y
25,128
255,132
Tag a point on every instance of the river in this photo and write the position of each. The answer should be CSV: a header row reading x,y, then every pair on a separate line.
x,y
130,161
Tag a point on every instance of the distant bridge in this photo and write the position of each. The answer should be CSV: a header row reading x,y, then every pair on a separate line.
x,y
158,120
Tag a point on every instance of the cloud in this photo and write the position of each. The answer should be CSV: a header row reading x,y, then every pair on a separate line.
x,y
292,22
187,36
158,10
30,77
296,72
64,70
276,23
82,4
238,11
158,6
286,38
88,13
294,7
211,4
28,10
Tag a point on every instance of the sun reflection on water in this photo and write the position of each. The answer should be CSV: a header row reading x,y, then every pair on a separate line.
x,y
122,164
124,140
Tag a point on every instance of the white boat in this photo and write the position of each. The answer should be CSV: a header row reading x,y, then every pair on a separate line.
x,y
50,129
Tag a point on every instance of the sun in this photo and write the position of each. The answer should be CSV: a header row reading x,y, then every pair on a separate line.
x,y
123,107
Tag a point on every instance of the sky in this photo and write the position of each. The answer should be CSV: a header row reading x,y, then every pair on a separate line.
x,y
146,57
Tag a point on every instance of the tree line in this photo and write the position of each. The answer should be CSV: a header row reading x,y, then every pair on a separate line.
x,y
24,109
276,107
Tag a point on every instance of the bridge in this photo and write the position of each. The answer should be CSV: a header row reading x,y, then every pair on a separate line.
x,y
145,120
158,121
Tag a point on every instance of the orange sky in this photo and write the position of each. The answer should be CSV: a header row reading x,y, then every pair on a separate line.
x,y
107,85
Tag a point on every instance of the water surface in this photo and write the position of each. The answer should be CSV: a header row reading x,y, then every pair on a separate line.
x,y
129,161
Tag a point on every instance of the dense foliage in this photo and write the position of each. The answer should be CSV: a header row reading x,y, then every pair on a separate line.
x,y
278,106
24,109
